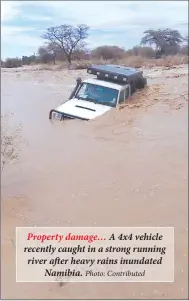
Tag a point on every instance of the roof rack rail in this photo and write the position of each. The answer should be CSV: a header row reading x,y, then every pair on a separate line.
x,y
114,73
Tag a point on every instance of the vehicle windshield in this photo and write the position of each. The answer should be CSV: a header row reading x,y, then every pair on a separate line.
x,y
98,94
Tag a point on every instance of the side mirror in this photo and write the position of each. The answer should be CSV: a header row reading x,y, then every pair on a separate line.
x,y
79,80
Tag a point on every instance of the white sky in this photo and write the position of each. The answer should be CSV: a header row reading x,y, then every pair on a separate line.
x,y
119,23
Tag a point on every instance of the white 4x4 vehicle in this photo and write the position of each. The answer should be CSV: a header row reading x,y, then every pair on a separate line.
x,y
96,96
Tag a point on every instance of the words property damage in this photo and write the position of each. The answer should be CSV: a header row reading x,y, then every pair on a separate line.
x,y
90,238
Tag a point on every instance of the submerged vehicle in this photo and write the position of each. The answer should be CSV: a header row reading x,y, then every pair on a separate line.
x,y
93,97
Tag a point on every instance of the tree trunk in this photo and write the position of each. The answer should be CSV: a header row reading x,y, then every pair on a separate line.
x,y
54,58
69,61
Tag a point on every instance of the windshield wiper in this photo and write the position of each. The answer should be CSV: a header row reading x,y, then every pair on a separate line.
x,y
86,98
109,104
78,97
91,99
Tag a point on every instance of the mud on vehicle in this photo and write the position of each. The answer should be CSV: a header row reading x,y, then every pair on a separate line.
x,y
94,97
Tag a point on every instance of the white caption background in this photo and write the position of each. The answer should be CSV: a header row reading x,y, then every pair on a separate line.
x,y
123,258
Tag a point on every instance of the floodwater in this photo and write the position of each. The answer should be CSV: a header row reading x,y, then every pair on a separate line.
x,y
126,168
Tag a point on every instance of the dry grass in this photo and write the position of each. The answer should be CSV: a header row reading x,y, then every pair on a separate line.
x,y
132,61
10,141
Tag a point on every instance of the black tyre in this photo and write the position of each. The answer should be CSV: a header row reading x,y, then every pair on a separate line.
x,y
142,82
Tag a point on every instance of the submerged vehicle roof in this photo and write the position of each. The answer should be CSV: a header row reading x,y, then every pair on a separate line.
x,y
114,72
104,83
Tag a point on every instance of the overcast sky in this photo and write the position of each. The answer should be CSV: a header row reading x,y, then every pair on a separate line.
x,y
119,23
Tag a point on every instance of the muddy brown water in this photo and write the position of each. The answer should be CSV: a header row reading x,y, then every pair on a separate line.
x,y
126,168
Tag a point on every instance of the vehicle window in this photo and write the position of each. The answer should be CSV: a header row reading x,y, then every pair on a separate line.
x,y
126,93
122,96
98,94
83,91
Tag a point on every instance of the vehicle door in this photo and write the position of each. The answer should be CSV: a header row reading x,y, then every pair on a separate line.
x,y
123,95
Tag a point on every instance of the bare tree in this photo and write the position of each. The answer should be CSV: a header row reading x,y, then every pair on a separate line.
x,y
67,38
45,55
52,49
185,47
165,40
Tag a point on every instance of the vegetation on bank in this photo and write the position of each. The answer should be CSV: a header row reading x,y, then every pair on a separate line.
x,y
65,45
10,142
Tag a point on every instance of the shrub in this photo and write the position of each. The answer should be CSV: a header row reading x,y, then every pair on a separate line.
x,y
10,142
12,63
108,52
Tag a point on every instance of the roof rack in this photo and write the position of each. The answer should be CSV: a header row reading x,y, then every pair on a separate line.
x,y
114,73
